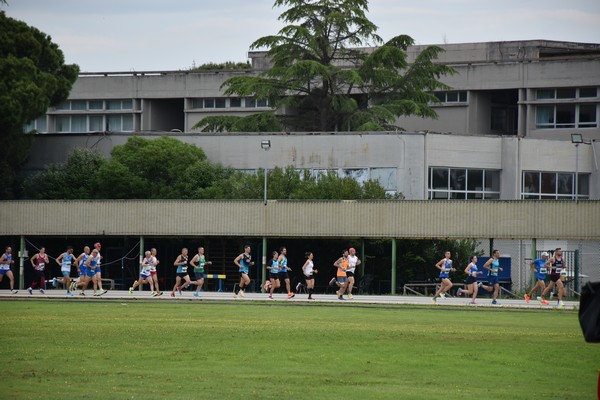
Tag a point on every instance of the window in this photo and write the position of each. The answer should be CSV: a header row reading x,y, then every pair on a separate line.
x,y
118,123
386,178
39,125
197,103
235,102
209,103
78,123
554,185
219,103
96,123
78,105
63,123
96,105
587,116
463,183
587,92
451,97
566,116
565,93
119,104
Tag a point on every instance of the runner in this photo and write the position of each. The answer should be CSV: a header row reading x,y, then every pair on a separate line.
x,y
145,273
181,262
540,267
243,262
153,272
273,282
198,262
38,262
353,262
5,261
65,260
89,268
341,279
557,267
98,276
81,270
445,267
472,273
308,269
493,266
283,271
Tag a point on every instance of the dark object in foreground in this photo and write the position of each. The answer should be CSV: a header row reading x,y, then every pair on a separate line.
x,y
589,312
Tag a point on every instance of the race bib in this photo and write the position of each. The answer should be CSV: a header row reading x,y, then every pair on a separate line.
x,y
563,272
41,265
543,270
558,270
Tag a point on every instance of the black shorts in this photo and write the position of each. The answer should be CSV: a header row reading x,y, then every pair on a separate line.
x,y
182,275
274,275
199,275
554,277
309,278
242,274
471,279
284,276
349,274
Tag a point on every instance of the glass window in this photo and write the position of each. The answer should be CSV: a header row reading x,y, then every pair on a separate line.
x,y
219,103
441,96
462,97
127,122
475,179
492,181
359,175
544,94
587,92
262,103
531,182
439,178
386,177
113,123
565,116
78,104
96,105
452,97
65,105
63,123
457,179
113,105
197,103
127,105
250,102
96,123
548,182
565,93
209,103
78,123
491,196
564,184
498,119
583,181
235,102
544,116
41,124
436,195
587,115
553,185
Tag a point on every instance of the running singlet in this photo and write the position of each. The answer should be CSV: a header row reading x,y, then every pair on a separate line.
x,y
342,271
352,260
6,266
274,267
146,266
558,266
540,268
182,269
40,262
446,268
473,270
93,263
201,262
66,262
308,270
83,259
494,266
245,263
283,264
154,261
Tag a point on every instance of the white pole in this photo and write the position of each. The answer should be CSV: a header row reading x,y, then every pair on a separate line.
x,y
576,172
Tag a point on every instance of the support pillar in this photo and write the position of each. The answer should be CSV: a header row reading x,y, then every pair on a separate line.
x,y
393,284
264,261
142,251
22,256
362,258
533,257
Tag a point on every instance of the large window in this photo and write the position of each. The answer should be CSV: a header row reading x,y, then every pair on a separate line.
x,y
39,125
451,97
580,112
554,185
94,123
95,105
463,183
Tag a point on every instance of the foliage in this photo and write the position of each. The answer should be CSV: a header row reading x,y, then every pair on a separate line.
x,y
396,349
326,82
33,77
227,65
262,122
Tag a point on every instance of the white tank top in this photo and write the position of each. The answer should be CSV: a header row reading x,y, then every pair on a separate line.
x,y
308,270
352,260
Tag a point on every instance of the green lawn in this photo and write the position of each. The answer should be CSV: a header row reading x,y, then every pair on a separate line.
x,y
160,350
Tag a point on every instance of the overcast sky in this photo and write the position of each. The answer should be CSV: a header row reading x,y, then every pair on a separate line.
x,y
150,35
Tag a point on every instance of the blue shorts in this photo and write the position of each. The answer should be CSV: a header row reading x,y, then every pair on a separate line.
x,y
4,271
144,276
493,280
90,273
540,277
199,275
471,279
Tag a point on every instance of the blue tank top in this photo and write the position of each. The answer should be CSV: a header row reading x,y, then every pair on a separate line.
x,y
7,261
66,261
83,260
182,269
274,266
283,264
494,266
447,265
245,263
473,269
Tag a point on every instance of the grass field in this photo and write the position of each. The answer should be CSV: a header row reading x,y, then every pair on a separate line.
x,y
150,350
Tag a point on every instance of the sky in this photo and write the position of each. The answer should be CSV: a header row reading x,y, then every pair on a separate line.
x,y
159,35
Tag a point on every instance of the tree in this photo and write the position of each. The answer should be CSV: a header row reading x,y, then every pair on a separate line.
x,y
33,77
325,81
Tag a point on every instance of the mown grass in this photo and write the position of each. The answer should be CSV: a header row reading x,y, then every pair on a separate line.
x,y
150,350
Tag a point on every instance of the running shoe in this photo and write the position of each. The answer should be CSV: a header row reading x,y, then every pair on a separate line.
x,y
131,290
527,298
350,296
82,293
159,293
53,282
494,302
291,295
270,297
196,294
479,284
241,293
267,286
103,291
73,286
30,290
179,290
443,295
310,298
298,287
14,291
459,292
172,294
153,293
433,299
561,304
69,294
42,291
473,302
341,298
543,301
332,281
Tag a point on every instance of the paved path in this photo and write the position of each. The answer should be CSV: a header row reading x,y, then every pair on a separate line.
x,y
302,298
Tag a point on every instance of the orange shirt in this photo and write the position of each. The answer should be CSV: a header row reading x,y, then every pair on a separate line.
x,y
342,271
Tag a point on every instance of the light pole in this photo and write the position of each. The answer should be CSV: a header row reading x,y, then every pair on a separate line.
x,y
577,139
265,145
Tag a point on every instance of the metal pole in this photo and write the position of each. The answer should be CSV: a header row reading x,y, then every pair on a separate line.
x,y
265,186
141,258
22,256
576,172
264,261
393,266
533,257
362,258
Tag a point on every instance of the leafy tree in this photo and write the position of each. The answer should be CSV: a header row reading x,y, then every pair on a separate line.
x,y
262,122
326,82
33,77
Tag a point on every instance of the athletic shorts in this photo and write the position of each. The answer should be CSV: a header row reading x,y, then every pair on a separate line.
x,y
98,269
153,273
540,277
471,279
342,279
283,276
199,275
493,280
144,276
90,273
274,276
66,272
242,273
309,277
554,277
4,271
349,274
182,275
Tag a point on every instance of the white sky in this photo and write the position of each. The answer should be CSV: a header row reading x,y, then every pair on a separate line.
x,y
150,35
